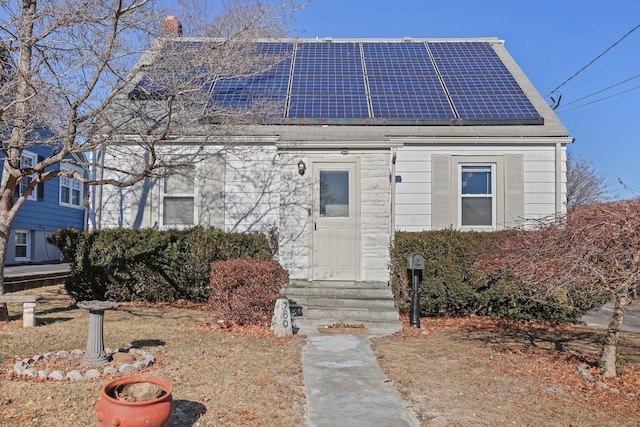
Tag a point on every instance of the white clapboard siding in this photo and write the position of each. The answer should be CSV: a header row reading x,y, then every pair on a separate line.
x,y
415,170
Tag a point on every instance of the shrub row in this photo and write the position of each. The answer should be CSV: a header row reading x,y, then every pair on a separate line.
x,y
151,265
451,287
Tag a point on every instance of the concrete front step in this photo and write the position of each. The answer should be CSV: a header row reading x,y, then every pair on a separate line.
x,y
311,326
343,302
341,314
327,303
339,292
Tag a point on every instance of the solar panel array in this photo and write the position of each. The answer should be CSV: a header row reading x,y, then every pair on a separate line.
x,y
439,82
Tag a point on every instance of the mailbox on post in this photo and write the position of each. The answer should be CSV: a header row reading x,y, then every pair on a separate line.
x,y
415,265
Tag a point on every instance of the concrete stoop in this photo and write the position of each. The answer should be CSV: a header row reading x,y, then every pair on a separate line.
x,y
323,303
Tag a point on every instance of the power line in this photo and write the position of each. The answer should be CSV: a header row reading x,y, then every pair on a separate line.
x,y
594,60
600,91
601,99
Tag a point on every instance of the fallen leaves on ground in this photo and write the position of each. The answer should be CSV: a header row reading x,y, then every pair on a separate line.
x,y
545,356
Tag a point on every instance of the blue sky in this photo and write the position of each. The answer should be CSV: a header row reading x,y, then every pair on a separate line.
x,y
550,39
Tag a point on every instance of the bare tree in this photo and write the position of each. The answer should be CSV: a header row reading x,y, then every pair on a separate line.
x,y
585,185
596,245
69,80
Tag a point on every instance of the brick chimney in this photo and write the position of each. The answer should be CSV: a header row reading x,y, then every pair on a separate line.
x,y
171,27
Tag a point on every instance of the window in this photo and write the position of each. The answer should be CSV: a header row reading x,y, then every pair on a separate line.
x,y
334,193
179,198
492,196
477,195
27,160
71,190
22,247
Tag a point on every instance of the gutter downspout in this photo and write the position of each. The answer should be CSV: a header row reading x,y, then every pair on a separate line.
x,y
394,155
558,167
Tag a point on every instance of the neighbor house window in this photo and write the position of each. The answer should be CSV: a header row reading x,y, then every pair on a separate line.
x,y
22,248
70,191
477,207
27,160
179,198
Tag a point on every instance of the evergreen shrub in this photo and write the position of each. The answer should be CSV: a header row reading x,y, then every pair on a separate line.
x,y
451,287
151,265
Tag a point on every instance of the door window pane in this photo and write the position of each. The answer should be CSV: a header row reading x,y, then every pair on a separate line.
x,y
334,194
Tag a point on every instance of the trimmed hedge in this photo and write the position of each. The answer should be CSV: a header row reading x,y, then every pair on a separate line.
x,y
151,265
450,286
244,291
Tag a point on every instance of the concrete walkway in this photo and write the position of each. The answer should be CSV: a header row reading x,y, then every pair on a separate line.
x,y
345,386
35,269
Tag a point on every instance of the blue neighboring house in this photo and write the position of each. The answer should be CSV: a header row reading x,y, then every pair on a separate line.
x,y
55,205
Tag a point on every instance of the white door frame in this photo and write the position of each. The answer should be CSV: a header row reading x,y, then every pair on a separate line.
x,y
316,271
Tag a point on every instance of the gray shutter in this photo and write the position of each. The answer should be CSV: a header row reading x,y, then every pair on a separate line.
x,y
40,187
441,200
514,190
210,192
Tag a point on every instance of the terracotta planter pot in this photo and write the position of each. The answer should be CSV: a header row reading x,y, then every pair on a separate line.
x,y
149,413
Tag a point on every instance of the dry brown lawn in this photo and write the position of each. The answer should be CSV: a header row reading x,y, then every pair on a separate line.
x,y
452,372
483,372
219,377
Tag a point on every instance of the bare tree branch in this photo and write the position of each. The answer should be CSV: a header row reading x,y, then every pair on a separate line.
x,y
597,245
585,185
68,70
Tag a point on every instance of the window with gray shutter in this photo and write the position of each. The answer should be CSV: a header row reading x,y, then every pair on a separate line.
x,y
502,198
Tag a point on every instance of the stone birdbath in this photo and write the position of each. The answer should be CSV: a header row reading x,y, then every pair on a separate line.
x,y
95,354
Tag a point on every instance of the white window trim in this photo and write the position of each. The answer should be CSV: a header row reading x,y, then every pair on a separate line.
x,y
194,194
493,195
24,183
28,245
71,181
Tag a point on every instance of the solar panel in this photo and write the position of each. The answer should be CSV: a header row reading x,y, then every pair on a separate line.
x,y
405,85
394,50
483,84
332,106
253,85
470,65
327,65
411,107
404,66
461,49
226,103
328,49
413,82
328,84
494,107
159,83
275,48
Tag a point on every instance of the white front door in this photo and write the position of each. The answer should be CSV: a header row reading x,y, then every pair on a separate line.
x,y
336,237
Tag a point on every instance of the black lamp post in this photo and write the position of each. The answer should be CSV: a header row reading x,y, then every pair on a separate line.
x,y
415,265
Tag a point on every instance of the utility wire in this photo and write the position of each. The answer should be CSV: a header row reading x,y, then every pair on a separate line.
x,y
594,60
601,99
600,91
